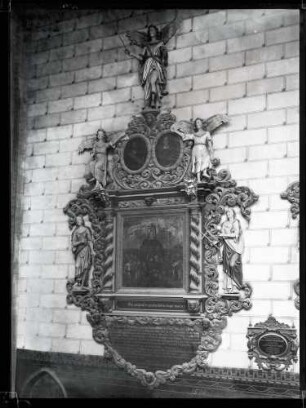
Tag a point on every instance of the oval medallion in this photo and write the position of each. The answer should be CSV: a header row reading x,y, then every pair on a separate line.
x,y
135,153
168,150
272,344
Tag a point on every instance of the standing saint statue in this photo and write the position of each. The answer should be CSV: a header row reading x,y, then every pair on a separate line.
x,y
153,60
82,248
233,247
200,131
99,146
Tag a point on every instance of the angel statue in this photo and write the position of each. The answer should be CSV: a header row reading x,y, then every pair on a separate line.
x,y
97,167
153,60
200,131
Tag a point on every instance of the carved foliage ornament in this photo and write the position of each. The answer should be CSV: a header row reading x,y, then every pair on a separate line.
x,y
273,345
292,194
152,157
208,313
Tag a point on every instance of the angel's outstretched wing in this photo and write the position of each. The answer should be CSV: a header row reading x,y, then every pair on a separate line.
x,y
137,38
170,29
214,122
86,145
182,127
114,137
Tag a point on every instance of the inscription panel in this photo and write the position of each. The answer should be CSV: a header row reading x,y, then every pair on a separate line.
x,y
171,305
272,344
154,347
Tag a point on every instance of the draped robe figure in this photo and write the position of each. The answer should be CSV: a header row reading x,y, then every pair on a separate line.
x,y
82,248
153,74
233,247
153,60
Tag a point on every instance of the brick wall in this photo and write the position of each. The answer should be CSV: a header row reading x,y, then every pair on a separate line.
x,y
241,62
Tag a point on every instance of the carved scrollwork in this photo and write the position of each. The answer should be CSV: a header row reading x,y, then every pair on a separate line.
x,y
151,174
151,177
165,120
190,188
138,125
210,340
156,321
225,194
292,194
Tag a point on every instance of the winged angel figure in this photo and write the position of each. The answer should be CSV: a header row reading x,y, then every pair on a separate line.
x,y
99,146
200,131
153,60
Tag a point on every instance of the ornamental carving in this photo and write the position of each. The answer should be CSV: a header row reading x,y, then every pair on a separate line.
x,y
151,156
292,194
273,345
158,246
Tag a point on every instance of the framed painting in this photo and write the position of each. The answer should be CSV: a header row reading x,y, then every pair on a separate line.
x,y
152,250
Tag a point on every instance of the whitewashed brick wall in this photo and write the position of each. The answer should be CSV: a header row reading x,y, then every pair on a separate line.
x,y
241,62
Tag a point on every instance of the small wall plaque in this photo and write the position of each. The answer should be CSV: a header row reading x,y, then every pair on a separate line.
x,y
273,345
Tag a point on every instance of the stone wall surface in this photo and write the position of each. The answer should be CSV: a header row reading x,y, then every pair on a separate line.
x,y
244,63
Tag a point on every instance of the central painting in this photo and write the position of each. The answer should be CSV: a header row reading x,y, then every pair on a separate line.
x,y
152,250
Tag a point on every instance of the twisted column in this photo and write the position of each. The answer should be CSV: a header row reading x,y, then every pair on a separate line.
x,y
195,255
108,277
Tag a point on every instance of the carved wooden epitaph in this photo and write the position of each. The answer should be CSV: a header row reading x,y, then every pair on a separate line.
x,y
153,299
272,344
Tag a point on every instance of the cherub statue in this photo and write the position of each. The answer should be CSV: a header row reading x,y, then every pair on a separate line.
x,y
153,60
99,145
200,131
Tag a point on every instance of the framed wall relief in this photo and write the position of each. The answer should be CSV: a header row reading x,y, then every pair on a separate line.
x,y
158,244
272,344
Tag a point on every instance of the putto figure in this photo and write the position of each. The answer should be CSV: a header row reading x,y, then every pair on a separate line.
x,y
99,146
82,248
200,131
233,247
153,60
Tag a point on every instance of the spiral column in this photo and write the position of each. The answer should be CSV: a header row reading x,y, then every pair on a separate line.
x,y
195,253
108,277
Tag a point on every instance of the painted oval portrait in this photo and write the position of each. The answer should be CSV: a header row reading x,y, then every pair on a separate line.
x,y
135,154
168,150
